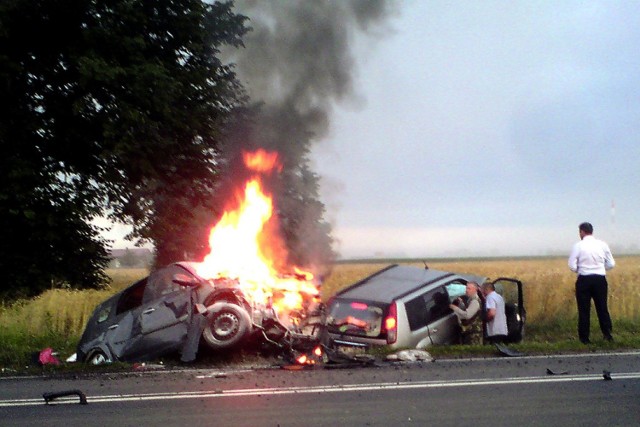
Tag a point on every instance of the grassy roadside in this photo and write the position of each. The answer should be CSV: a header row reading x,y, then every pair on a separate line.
x,y
541,339
554,338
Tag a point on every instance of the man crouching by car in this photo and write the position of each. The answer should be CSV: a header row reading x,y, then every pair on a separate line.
x,y
469,316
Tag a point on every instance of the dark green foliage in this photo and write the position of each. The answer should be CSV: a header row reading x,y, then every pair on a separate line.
x,y
107,107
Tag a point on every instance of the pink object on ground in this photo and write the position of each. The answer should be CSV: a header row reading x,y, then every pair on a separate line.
x,y
47,358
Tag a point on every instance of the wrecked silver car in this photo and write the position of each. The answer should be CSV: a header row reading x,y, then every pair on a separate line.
x,y
405,306
176,310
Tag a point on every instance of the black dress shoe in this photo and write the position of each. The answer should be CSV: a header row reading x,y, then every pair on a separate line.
x,y
587,341
608,338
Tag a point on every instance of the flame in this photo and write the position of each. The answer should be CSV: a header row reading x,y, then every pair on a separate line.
x,y
244,248
262,161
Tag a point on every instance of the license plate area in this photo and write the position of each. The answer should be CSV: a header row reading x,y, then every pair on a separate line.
x,y
351,349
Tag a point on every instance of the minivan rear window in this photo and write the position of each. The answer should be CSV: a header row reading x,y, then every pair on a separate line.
x,y
353,317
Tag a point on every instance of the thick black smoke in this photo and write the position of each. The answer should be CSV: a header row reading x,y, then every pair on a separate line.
x,y
298,62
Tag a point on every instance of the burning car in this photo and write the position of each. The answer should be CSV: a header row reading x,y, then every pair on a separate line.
x,y
243,286
176,310
404,306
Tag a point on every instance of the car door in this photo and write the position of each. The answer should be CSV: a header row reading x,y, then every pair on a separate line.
x,y
512,293
123,333
165,313
441,321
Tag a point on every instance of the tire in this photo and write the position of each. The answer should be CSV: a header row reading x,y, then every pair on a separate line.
x,y
227,326
97,357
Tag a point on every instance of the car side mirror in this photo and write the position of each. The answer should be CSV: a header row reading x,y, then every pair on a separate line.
x,y
185,280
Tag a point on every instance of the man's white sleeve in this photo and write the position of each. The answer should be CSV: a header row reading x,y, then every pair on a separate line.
x,y
573,259
609,262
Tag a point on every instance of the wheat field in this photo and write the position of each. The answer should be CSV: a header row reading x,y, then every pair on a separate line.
x,y
61,311
548,292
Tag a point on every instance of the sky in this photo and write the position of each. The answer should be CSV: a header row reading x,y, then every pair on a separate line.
x,y
488,129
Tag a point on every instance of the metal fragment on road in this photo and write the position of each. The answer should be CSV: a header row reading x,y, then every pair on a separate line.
x,y
48,397
550,372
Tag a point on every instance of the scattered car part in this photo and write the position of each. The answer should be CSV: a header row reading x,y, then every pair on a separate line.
x,y
411,355
48,397
550,372
509,352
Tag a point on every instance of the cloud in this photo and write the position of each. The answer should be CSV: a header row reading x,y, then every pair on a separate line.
x,y
484,122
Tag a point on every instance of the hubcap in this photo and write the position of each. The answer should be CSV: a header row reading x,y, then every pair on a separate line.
x,y
98,359
225,326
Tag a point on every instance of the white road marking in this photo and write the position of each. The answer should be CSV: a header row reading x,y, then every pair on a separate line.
x,y
549,356
321,389
219,374
440,361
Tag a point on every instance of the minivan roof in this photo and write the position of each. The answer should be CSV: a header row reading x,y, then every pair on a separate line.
x,y
392,282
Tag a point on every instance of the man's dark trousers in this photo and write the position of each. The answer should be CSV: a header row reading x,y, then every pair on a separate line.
x,y
588,287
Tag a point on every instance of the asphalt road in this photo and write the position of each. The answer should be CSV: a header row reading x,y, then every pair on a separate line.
x,y
551,391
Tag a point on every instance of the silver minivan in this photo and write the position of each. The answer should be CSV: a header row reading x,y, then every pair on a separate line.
x,y
403,306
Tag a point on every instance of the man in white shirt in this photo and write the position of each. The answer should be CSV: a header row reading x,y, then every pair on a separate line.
x,y
495,315
590,258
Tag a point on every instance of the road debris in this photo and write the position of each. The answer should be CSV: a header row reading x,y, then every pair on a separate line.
x,y
48,397
48,357
412,355
147,366
550,372
508,352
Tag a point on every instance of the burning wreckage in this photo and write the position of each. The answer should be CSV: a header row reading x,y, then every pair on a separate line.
x,y
237,293
176,309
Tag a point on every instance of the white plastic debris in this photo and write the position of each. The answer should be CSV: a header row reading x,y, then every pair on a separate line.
x,y
412,355
73,358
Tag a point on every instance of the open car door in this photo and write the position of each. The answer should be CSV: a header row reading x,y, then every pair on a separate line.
x,y
511,292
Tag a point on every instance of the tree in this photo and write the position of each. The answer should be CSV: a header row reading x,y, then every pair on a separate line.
x,y
108,107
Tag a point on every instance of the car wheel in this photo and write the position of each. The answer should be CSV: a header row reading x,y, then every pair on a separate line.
x,y
97,357
226,327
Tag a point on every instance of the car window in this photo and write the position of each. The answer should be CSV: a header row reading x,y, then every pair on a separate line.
x,y
103,314
161,283
132,297
416,312
437,302
455,290
427,308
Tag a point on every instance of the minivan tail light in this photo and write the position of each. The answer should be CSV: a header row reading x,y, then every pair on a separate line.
x,y
359,306
391,324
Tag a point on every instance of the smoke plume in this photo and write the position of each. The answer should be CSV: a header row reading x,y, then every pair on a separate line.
x,y
298,62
